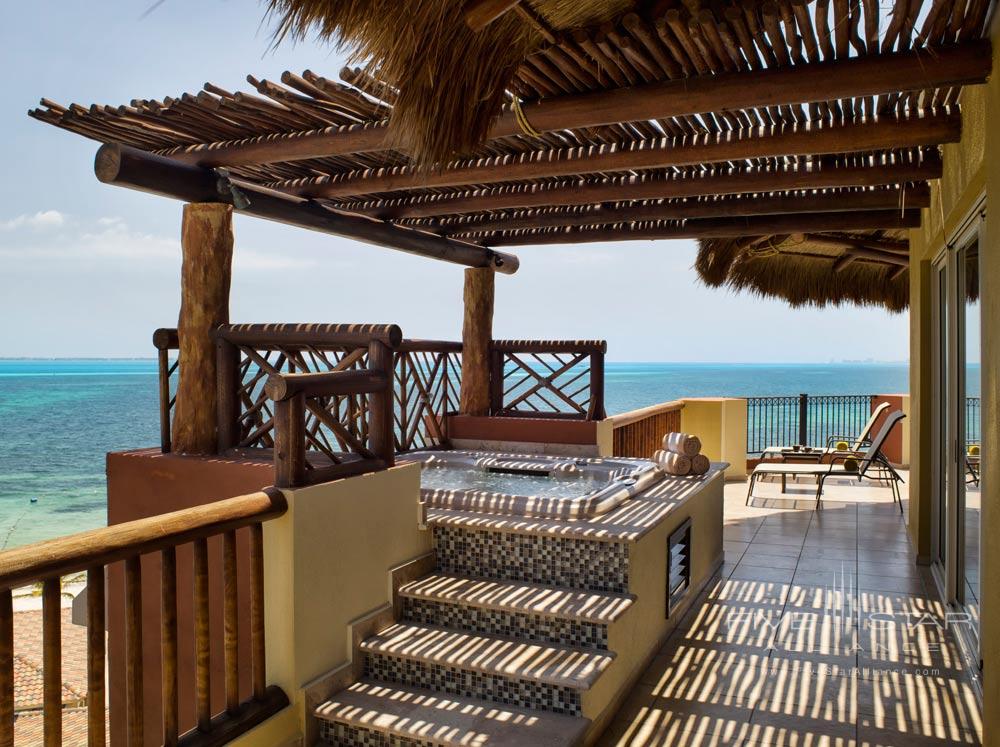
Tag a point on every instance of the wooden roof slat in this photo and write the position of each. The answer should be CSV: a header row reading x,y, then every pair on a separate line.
x,y
632,188
856,137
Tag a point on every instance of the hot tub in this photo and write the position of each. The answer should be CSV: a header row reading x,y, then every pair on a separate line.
x,y
530,485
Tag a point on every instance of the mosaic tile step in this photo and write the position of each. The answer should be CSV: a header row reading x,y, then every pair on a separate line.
x,y
565,562
520,597
575,669
372,713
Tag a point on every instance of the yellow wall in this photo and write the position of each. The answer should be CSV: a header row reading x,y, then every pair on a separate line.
x,y
721,424
327,562
971,168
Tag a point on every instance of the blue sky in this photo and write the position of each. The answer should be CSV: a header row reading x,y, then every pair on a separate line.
x,y
91,270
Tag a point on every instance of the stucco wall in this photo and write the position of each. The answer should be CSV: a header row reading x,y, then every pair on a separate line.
x,y
971,168
327,563
721,424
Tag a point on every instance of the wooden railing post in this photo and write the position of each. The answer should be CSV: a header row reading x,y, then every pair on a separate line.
x,y
496,380
380,403
6,668
595,411
289,441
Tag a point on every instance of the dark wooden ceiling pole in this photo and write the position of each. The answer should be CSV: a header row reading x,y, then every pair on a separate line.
x,y
907,132
481,13
136,169
872,75
743,205
719,228
656,189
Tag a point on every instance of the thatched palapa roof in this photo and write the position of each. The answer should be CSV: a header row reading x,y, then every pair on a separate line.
x,y
748,124
868,269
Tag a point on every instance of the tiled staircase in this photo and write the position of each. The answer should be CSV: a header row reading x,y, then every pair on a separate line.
x,y
501,645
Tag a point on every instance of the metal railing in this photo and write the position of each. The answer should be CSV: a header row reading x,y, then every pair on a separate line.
x,y
806,420
973,420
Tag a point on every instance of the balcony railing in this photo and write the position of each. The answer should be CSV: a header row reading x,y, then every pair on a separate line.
x,y
529,378
639,433
188,531
806,420
548,378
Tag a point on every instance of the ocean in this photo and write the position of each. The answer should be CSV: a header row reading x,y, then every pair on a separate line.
x,y
58,418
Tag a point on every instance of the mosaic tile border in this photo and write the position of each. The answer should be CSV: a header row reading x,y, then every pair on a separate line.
x,y
490,687
557,561
346,735
523,626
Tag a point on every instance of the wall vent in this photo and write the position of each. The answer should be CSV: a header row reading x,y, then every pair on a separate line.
x,y
678,565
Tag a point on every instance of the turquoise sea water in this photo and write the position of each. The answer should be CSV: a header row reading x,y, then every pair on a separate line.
x,y
58,418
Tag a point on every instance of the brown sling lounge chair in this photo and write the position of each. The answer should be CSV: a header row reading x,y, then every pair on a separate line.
x,y
873,465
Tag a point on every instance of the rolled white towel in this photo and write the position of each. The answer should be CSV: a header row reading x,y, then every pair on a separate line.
x,y
700,464
682,443
672,463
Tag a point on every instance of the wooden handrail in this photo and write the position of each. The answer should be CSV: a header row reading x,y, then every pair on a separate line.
x,y
325,384
47,562
551,346
78,552
349,335
634,416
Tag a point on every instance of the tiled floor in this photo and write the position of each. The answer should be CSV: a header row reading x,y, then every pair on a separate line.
x,y
819,630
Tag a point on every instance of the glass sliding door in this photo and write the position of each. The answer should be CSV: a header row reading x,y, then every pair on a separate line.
x,y
956,422
969,431
943,540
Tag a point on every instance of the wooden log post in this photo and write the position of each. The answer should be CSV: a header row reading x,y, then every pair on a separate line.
x,y
206,272
477,338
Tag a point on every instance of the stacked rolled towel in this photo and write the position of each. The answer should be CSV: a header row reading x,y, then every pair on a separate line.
x,y
681,455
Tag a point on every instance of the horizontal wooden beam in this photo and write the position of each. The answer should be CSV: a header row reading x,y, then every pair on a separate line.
x,y
136,169
719,228
723,147
481,13
865,253
737,182
848,242
742,205
869,75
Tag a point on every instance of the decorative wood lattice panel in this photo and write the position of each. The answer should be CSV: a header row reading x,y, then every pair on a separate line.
x,y
427,388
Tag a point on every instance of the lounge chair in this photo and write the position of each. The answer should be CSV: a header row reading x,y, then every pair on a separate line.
x,y
871,464
816,453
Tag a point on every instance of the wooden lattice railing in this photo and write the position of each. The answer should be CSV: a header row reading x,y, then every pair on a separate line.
x,y
639,433
428,380
165,535
548,378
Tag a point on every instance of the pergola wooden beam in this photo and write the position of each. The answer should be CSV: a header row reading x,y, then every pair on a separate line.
x,y
853,242
872,75
481,13
743,205
136,169
738,182
861,252
723,228
724,147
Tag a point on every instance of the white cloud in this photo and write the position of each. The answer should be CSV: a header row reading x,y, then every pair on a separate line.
x,y
40,220
110,239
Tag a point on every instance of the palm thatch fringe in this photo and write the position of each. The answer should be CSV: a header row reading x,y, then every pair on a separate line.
x,y
801,278
451,80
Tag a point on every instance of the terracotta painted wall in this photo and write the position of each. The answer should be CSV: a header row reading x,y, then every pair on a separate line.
x,y
147,483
